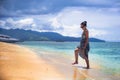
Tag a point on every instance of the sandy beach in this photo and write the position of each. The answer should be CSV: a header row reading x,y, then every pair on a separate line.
x,y
21,63
18,63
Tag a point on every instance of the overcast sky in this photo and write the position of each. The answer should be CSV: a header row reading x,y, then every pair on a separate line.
x,y
63,16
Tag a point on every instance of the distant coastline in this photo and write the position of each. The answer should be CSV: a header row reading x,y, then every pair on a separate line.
x,y
28,35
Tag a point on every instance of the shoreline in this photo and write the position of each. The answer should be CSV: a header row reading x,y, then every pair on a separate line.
x,y
21,63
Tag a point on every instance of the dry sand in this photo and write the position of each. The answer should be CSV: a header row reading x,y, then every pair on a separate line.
x,y
19,63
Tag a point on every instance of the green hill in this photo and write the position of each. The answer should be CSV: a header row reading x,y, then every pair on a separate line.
x,y
28,35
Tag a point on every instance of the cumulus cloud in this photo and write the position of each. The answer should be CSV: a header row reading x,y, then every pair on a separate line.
x,y
2,23
98,33
21,24
101,22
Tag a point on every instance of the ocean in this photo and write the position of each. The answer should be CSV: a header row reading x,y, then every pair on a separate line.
x,y
104,54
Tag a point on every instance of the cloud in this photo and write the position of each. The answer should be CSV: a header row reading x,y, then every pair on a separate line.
x,y
16,8
97,33
40,23
97,2
102,22
21,24
2,23
99,22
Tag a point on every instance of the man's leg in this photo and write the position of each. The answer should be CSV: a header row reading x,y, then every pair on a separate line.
x,y
87,59
76,56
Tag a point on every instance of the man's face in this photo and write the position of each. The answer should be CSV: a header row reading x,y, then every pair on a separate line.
x,y
81,26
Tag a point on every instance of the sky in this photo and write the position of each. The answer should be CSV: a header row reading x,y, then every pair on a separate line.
x,y
63,16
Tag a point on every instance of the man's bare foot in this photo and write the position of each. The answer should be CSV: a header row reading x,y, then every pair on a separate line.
x,y
74,63
87,67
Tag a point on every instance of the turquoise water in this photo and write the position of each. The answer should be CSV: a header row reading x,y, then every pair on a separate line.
x,y
105,54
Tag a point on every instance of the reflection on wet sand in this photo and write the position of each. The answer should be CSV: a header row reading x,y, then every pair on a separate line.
x,y
77,75
80,73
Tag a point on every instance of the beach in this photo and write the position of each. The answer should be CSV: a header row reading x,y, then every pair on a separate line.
x,y
22,63
18,63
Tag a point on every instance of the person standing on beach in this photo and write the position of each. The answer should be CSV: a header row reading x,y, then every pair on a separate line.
x,y
84,45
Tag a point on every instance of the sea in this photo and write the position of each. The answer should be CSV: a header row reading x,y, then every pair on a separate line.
x,y
104,54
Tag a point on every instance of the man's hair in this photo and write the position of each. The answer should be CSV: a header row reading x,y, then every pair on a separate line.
x,y
84,23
